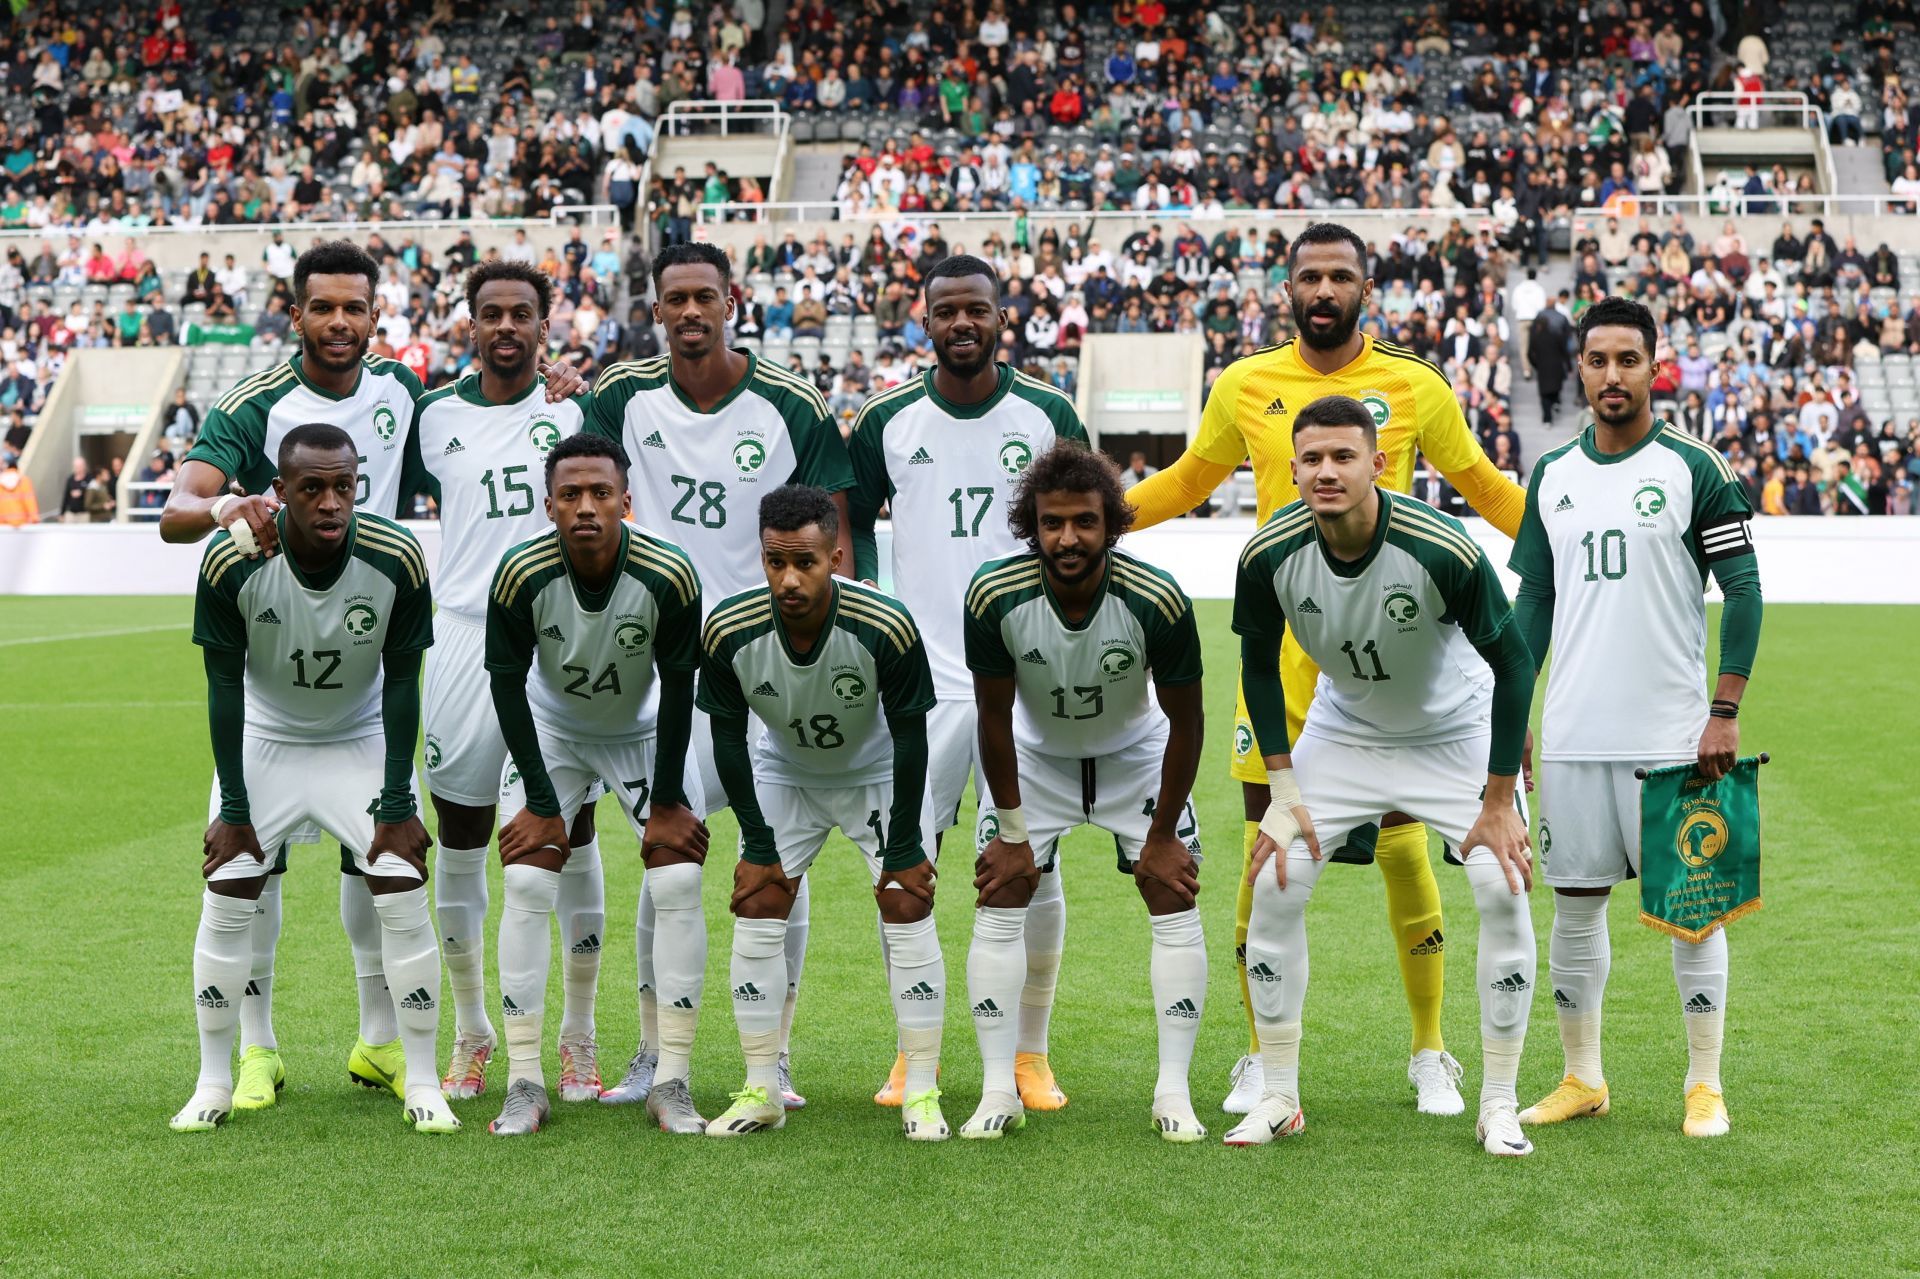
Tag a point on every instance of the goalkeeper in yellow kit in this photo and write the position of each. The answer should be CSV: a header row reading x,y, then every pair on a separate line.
x,y
1250,414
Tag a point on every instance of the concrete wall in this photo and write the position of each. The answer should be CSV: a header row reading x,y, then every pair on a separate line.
x,y
140,375
1121,374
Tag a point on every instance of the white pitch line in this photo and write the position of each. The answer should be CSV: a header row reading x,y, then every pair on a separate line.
x,y
85,635
96,706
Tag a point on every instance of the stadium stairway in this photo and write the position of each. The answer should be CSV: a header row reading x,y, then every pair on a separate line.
x,y
816,172
1536,436
1860,170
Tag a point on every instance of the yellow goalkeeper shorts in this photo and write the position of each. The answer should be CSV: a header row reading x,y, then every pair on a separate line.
x,y
1298,675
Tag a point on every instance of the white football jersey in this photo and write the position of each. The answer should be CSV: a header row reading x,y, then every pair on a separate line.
x,y
698,476
1623,541
315,646
946,472
825,710
1394,633
486,465
589,657
1082,689
242,433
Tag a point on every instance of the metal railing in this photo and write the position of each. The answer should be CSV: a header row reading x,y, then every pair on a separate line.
x,y
836,211
132,512
561,215
753,115
1764,106
1739,204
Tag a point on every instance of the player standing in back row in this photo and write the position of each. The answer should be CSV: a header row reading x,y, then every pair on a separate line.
x,y
709,428
479,445
1086,663
313,701
1623,524
1422,708
943,452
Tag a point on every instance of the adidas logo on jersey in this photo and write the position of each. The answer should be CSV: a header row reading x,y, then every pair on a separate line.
x,y
1185,1007
1560,999
453,446
653,442
1514,984
920,990
211,998
987,1008
1275,407
1261,972
1306,606
920,458
749,993
267,618
588,945
765,689
1034,656
1433,944
1565,503
553,633
1701,1004
419,1001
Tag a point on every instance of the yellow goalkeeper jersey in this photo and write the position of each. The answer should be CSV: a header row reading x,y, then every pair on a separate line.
x,y
1249,414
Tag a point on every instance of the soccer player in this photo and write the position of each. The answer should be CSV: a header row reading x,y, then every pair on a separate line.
x,y
710,428
1424,690
578,619
1248,415
476,445
1071,646
838,674
331,378
943,451
1622,526
313,701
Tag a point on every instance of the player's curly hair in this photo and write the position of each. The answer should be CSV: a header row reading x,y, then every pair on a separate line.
x,y
1614,311
792,507
692,254
502,269
334,257
1068,467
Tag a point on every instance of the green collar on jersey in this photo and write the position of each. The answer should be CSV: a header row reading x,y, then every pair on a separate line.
x,y
326,577
468,389
972,410
1354,568
753,362
812,655
1093,606
1608,459
591,600
301,374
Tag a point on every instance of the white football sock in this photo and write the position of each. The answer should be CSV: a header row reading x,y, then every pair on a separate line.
x,y
1178,974
256,1004
1700,971
758,976
362,923
1277,971
798,926
222,953
917,971
886,966
1280,1059
1506,966
679,962
1579,956
582,906
643,956
460,904
526,955
996,969
1046,938
411,957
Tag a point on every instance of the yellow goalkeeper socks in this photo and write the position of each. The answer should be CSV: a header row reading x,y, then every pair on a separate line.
x,y
1413,913
1242,913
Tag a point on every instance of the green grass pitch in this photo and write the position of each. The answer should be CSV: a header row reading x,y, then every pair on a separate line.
x,y
106,785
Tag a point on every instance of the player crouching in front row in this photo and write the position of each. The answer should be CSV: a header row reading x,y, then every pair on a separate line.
x,y
837,673
1425,683
313,701
1070,646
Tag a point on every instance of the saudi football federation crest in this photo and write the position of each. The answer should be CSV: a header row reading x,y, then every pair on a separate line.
x,y
433,751
849,687
987,831
1649,501
749,455
385,425
1377,405
1402,609
545,433
1242,741
1702,834
631,635
1117,659
361,619
1014,456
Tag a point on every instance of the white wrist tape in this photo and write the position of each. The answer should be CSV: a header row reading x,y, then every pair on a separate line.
x,y
241,532
1279,824
1013,825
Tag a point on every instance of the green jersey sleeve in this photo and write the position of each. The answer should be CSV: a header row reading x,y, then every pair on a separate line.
x,y
1166,615
217,620
720,691
1532,556
1256,608
987,652
906,678
872,488
233,438
396,552
820,455
1476,602
606,408
510,635
1721,514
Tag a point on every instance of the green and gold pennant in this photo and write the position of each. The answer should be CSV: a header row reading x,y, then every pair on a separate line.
x,y
1699,848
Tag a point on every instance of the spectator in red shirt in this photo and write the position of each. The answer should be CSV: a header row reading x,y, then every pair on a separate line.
x,y
1066,105
153,51
100,267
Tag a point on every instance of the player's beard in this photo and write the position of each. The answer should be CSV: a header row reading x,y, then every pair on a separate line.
x,y
1621,413
507,372
973,362
1331,338
312,353
1088,565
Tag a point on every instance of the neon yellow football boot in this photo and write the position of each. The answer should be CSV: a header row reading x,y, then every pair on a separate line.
x,y
379,1066
1573,1099
262,1076
1706,1112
